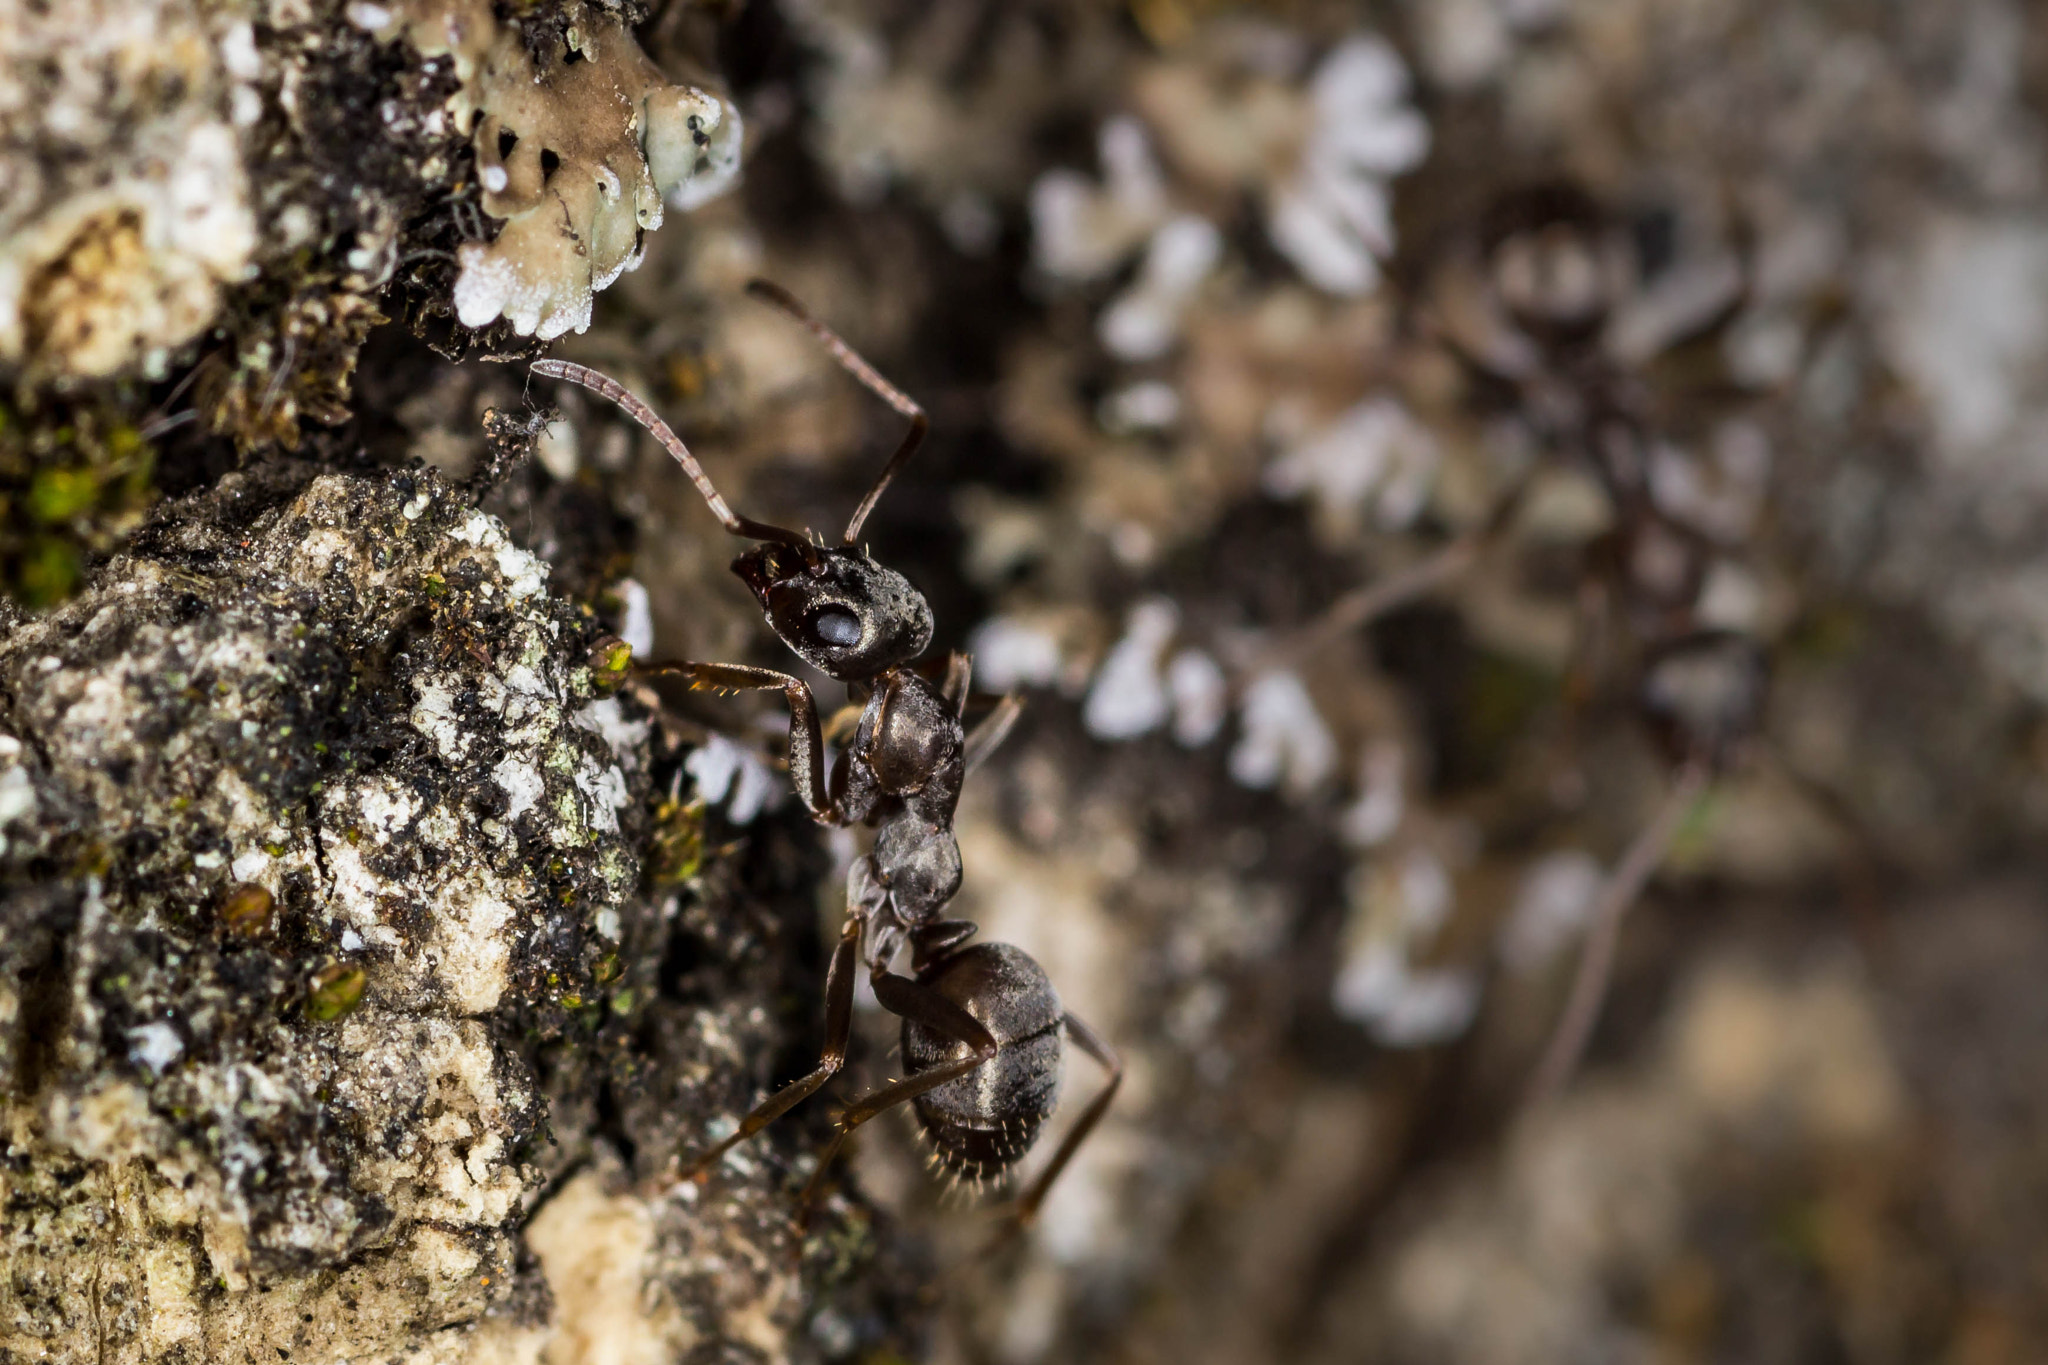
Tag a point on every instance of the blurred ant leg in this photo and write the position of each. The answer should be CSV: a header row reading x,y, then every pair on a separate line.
x,y
1105,1056
838,1029
991,731
1362,606
1596,960
959,676
841,724
850,360
806,742
1592,634
902,996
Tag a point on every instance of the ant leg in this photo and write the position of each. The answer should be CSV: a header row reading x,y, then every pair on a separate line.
x,y
1105,1056
992,730
806,741
838,1029
907,999
1596,960
1362,606
959,674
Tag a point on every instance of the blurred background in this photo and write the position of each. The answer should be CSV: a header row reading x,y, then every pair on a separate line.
x,y
1430,468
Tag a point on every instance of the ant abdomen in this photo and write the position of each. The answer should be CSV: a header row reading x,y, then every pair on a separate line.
x,y
983,1122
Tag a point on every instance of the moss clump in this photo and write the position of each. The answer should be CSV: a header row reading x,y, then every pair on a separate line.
x,y
335,993
611,661
246,911
295,357
676,852
75,479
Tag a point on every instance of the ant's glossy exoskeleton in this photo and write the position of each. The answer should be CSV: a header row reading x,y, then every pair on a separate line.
x,y
982,1025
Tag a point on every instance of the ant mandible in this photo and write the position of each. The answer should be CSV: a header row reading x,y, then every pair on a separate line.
x,y
982,1025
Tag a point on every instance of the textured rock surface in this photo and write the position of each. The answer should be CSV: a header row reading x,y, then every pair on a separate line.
x,y
322,883
299,1126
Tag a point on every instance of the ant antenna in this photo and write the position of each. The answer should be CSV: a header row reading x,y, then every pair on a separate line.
x,y
850,360
606,387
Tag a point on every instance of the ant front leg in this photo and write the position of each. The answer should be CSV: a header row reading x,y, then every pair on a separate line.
x,y
907,999
838,1030
806,740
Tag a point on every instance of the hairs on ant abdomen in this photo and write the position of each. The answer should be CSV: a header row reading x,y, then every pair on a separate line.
x,y
983,1028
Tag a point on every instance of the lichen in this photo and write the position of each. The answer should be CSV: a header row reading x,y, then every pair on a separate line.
x,y
578,141
125,209
265,1079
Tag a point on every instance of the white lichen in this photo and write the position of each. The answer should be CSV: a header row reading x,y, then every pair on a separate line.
x,y
1081,230
1397,907
1128,697
1334,218
1376,458
1382,799
731,773
1284,742
577,159
1143,322
1011,652
124,208
1551,908
636,618
1201,697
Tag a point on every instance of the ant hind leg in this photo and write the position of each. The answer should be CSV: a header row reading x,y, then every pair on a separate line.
x,y
838,1030
907,999
1092,1043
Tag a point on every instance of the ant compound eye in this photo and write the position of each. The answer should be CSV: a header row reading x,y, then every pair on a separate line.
x,y
836,627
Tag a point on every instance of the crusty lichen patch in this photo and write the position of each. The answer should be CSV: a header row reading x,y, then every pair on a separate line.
x,y
124,205
221,1144
337,1018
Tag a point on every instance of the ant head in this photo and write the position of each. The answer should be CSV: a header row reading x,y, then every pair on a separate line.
x,y
843,613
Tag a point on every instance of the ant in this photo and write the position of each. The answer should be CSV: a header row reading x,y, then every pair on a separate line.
x,y
1526,310
982,1024
1531,317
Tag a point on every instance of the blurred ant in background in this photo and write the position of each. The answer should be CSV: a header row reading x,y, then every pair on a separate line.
x,y
983,1028
1534,306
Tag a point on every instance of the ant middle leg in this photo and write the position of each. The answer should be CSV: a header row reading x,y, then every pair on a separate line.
x,y
806,738
993,728
990,731
838,1030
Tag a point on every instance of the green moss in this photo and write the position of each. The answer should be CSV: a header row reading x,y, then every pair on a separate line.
x,y
676,852
246,912
58,495
75,479
611,659
48,571
335,992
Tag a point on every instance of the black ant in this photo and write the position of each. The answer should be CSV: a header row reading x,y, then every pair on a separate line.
x,y
1530,318
1525,309
982,1026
